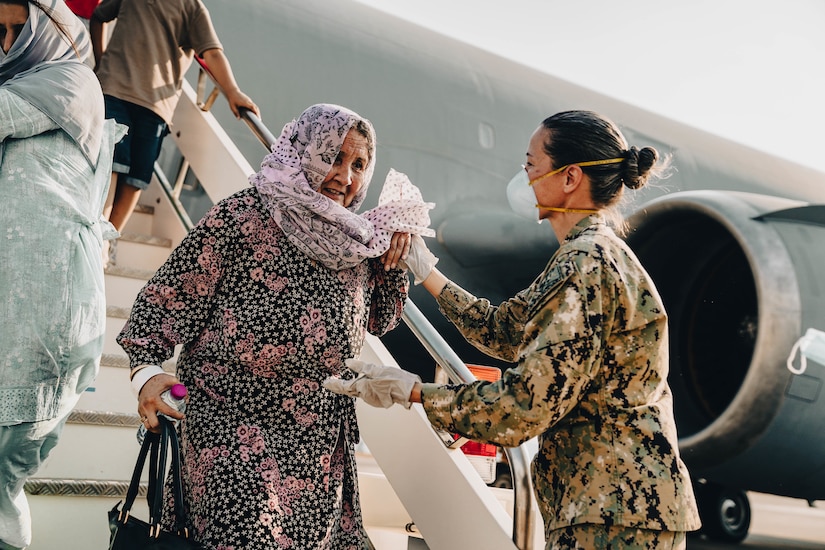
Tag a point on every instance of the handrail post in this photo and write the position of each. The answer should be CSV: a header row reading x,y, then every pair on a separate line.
x,y
183,170
524,517
167,189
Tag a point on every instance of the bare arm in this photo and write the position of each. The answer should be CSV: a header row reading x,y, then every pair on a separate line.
x,y
435,282
219,67
96,31
415,394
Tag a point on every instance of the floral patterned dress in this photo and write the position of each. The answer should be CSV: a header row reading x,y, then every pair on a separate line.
x,y
268,453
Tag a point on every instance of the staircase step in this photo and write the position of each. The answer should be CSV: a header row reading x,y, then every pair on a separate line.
x,y
104,418
116,317
110,392
392,539
141,251
89,488
118,312
124,283
96,452
141,220
113,328
72,523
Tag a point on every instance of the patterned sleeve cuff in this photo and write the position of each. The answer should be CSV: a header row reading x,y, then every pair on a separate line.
x,y
438,402
141,374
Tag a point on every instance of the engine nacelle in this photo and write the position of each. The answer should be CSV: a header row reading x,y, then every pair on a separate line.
x,y
741,276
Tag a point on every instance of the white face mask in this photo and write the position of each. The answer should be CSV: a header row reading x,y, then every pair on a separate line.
x,y
522,198
810,346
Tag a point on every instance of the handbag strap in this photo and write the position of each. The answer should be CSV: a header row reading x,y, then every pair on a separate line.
x,y
134,485
177,484
157,471
157,446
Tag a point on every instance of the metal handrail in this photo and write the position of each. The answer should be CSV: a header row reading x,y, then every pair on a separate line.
x,y
519,458
261,132
257,127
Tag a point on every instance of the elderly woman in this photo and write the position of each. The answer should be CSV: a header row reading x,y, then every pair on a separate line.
x,y
55,156
272,291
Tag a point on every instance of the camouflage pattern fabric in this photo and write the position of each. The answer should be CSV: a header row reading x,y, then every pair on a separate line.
x,y
599,537
590,340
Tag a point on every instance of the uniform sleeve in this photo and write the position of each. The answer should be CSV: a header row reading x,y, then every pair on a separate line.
x,y
20,119
177,301
200,35
495,330
107,10
555,369
389,293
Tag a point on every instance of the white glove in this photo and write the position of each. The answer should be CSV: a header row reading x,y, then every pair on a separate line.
x,y
377,385
419,259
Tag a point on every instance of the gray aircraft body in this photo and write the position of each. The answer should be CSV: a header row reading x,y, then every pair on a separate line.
x,y
734,238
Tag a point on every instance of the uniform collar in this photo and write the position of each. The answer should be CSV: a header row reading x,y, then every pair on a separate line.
x,y
592,220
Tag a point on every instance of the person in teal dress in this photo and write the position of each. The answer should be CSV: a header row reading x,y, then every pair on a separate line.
x,y
55,159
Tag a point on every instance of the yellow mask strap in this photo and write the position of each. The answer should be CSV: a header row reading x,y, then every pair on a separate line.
x,y
586,163
557,170
563,210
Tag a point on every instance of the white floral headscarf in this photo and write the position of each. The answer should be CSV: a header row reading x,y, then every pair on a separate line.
x,y
336,236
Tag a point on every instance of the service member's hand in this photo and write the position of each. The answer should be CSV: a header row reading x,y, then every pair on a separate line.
x,y
377,385
420,261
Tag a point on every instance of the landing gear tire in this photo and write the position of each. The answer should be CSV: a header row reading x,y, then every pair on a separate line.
x,y
725,512
504,479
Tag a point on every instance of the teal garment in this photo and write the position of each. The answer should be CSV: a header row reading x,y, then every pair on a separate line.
x,y
23,448
52,301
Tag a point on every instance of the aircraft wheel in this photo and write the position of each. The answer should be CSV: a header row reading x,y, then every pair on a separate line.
x,y
504,479
725,513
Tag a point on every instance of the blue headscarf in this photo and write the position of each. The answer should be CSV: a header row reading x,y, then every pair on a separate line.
x,y
44,69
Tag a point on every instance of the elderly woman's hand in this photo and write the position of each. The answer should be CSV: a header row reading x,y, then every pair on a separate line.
x,y
150,402
399,248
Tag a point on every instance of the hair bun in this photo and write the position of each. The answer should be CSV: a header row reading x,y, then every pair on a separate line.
x,y
637,165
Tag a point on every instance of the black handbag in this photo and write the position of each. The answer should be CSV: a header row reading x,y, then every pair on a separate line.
x,y
130,533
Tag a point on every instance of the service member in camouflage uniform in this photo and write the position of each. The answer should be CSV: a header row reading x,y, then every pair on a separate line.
x,y
590,339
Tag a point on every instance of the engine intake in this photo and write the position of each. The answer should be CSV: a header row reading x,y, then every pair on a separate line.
x,y
738,276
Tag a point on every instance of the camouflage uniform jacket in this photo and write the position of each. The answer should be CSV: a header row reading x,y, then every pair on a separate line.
x,y
590,339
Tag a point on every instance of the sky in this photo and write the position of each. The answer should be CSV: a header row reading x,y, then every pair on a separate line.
x,y
748,70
